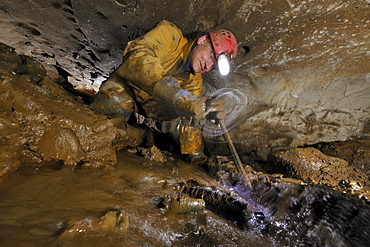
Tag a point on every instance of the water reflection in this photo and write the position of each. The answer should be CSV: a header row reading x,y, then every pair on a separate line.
x,y
39,203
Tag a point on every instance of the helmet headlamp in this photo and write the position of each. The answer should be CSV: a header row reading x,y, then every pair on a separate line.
x,y
223,64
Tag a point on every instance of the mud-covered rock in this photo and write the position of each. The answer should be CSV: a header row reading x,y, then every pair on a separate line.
x,y
8,162
309,164
128,135
153,153
114,221
183,204
356,152
40,121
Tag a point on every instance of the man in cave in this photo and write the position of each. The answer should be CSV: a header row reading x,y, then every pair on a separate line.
x,y
160,79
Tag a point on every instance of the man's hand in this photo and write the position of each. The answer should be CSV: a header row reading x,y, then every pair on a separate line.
x,y
194,106
169,90
199,108
214,110
215,105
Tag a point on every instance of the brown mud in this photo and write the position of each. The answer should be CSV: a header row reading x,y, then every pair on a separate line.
x,y
62,183
51,204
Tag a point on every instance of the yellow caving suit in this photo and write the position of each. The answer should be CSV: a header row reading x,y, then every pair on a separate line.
x,y
159,55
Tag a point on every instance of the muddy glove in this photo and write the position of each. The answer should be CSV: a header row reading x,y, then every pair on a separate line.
x,y
214,109
214,105
168,89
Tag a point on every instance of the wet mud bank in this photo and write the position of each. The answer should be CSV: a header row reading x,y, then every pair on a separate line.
x,y
64,181
40,121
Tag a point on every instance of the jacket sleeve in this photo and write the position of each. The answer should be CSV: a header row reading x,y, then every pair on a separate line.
x,y
194,84
147,59
142,68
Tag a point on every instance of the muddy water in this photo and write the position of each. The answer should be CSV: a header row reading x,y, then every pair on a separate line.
x,y
39,204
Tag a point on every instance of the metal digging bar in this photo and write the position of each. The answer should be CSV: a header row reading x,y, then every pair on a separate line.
x,y
238,162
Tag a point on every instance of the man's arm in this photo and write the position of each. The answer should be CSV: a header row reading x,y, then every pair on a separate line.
x,y
146,62
147,59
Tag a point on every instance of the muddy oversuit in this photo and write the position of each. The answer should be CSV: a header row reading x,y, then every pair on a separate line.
x,y
155,80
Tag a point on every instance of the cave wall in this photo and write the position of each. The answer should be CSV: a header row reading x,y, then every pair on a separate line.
x,y
308,62
84,39
303,66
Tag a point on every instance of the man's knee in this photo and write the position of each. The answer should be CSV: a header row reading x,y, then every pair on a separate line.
x,y
114,101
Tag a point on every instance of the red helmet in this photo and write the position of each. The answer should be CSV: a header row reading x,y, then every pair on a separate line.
x,y
224,42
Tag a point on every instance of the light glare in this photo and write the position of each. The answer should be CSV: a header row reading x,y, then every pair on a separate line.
x,y
223,64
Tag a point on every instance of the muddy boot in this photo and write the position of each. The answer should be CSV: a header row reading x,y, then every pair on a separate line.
x,y
191,144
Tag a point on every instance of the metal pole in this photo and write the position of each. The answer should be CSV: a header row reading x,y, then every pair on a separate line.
x,y
238,162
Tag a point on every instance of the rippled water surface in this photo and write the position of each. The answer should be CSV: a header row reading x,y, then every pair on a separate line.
x,y
38,202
